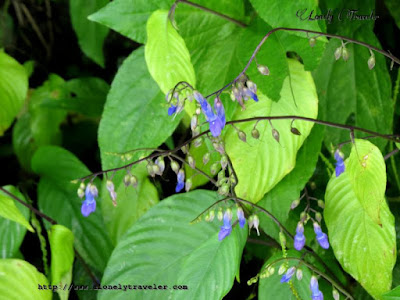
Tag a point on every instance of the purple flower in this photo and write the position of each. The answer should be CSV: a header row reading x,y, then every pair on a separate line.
x,y
299,238
316,294
172,110
322,238
339,169
226,229
89,205
181,181
241,218
288,275
215,119
219,109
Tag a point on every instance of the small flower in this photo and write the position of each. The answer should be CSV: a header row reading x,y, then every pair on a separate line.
x,y
322,238
299,274
299,238
172,110
254,221
335,294
226,229
181,181
89,205
316,294
113,194
219,109
241,218
288,275
339,169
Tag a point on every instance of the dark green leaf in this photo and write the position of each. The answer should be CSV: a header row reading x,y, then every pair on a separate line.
x,y
392,295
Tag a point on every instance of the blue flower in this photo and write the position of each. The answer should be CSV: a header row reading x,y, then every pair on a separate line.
x,y
89,205
172,110
219,109
226,229
322,238
288,275
181,181
339,169
316,294
241,218
299,238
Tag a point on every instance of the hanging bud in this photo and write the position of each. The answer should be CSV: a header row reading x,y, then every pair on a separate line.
x,y
321,204
110,185
198,142
303,217
335,294
312,42
282,269
295,203
156,170
232,179
242,136
318,217
219,146
81,193
255,133
175,166
93,190
211,215
275,134
371,62
193,122
82,186
220,214
185,149
345,54
214,168
282,239
338,52
299,274
161,164
295,131
224,161
224,190
232,94
150,169
254,221
263,70
198,111
127,179
191,161
206,158
133,181
188,184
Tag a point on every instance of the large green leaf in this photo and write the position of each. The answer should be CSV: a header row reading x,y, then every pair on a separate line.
x,y
162,247
135,114
12,233
278,200
271,288
367,173
392,295
58,199
261,164
61,241
167,58
132,203
365,249
90,35
351,93
129,17
20,280
13,89
9,210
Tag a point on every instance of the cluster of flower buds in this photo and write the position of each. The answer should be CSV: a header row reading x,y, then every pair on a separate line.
x,y
157,167
244,90
90,193
269,271
342,52
130,179
339,166
226,228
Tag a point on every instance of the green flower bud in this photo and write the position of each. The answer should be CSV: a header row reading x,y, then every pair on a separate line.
x,y
282,269
295,203
299,274
282,239
295,131
275,134
81,193
220,214
263,70
255,133
223,190
345,54
318,217
321,204
188,184
82,186
303,217
338,52
214,168
191,161
206,158
335,294
150,170
242,136
312,42
371,62
175,166
133,181
224,161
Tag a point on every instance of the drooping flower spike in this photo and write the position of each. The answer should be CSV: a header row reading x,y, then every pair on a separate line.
x,y
226,228
339,168
89,205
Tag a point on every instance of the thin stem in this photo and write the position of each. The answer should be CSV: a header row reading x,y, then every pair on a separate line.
x,y
391,153
385,53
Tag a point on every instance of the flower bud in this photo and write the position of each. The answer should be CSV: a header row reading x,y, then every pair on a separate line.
x,y
206,158
338,52
82,186
191,161
318,216
214,168
295,203
275,134
303,217
211,215
295,131
345,54
263,70
175,166
150,170
255,133
127,179
93,190
110,185
282,269
156,169
220,214
198,142
242,136
335,294
254,221
299,274
133,181
160,162
224,161
198,111
224,190
81,193
371,62
312,42
282,239
232,94
193,122
185,149
188,184
219,146
321,204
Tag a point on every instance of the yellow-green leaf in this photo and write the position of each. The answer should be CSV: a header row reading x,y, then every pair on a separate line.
x,y
10,211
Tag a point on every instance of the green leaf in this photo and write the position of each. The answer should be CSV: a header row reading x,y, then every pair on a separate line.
x,y
10,211
272,288
135,114
90,35
392,295
15,273
12,233
129,17
62,257
162,247
167,57
350,93
365,249
394,9
132,203
13,89
367,173
261,164
278,200
58,199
